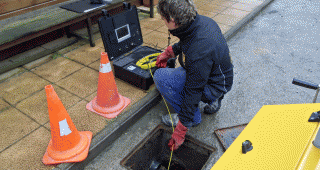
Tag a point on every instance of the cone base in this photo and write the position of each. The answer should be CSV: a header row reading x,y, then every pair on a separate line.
x,y
113,114
47,160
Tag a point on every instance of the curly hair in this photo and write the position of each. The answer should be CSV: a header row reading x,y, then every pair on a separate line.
x,y
182,11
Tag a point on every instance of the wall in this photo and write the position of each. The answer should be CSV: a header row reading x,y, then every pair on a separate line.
x,y
10,8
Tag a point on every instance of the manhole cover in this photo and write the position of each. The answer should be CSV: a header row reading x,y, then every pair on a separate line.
x,y
227,135
153,153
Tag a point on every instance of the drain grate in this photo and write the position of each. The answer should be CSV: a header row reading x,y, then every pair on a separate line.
x,y
227,135
154,151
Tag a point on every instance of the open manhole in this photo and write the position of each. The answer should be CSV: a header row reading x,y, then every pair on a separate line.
x,y
153,153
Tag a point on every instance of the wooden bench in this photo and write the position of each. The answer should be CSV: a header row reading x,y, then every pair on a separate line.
x,y
27,27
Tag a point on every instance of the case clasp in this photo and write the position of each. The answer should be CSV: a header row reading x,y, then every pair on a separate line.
x,y
126,6
105,13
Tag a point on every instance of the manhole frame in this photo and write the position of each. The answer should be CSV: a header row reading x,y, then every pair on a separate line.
x,y
138,146
231,127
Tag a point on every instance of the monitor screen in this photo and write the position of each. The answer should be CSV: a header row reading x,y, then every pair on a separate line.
x,y
123,33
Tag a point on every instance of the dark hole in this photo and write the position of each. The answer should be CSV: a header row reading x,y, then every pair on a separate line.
x,y
173,165
192,155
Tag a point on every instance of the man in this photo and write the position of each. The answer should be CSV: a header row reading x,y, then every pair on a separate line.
x,y
206,74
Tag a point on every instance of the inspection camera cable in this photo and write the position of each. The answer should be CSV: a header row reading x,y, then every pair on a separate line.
x,y
149,62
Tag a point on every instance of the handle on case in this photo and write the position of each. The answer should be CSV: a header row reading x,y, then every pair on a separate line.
x,y
305,84
126,5
105,13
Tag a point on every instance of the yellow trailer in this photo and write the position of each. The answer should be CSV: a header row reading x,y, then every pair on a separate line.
x,y
278,137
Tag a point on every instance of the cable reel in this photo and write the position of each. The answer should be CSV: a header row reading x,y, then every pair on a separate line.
x,y
148,61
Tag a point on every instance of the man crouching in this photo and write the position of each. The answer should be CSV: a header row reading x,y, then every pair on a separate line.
x,y
206,75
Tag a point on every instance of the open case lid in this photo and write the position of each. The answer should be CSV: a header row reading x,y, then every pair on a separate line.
x,y
121,32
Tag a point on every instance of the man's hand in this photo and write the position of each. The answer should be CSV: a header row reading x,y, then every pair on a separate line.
x,y
164,57
178,136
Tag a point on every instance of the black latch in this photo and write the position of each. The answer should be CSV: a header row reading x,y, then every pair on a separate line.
x,y
105,13
96,1
246,146
315,117
126,5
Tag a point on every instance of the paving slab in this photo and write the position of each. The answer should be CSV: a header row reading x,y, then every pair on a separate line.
x,y
158,38
57,69
227,19
85,120
146,31
245,6
3,105
82,83
28,152
207,13
15,125
36,107
14,92
213,7
151,23
86,54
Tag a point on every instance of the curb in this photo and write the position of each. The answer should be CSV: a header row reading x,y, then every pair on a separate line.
x,y
108,135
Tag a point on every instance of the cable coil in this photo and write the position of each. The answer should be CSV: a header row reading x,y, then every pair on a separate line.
x,y
148,61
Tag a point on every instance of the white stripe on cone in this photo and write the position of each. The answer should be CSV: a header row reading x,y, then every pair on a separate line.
x,y
64,128
105,68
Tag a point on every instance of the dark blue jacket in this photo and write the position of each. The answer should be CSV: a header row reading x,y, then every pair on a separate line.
x,y
209,71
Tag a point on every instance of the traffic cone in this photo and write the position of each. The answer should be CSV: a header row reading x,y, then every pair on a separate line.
x,y
67,144
108,102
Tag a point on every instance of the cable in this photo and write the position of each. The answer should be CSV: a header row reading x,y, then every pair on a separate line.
x,y
148,61
165,104
143,63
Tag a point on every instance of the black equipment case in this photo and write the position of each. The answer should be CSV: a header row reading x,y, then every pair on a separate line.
x,y
122,39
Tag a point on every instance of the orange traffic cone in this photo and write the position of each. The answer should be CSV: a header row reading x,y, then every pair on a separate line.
x,y
108,102
67,144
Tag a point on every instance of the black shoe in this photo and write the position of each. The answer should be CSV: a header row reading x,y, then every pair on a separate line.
x,y
167,120
212,108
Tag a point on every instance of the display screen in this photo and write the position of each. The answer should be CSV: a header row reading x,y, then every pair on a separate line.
x,y
123,33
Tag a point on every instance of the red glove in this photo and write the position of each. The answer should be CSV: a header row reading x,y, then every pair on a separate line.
x,y
164,57
177,137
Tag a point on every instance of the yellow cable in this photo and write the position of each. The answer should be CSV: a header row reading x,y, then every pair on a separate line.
x,y
147,63
170,158
167,109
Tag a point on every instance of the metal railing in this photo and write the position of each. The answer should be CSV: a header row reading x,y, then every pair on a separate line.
x,y
309,86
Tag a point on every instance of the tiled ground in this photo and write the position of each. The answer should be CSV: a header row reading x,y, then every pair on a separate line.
x,y
24,120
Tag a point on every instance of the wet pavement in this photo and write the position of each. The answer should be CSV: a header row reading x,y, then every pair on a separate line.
x,y
280,44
